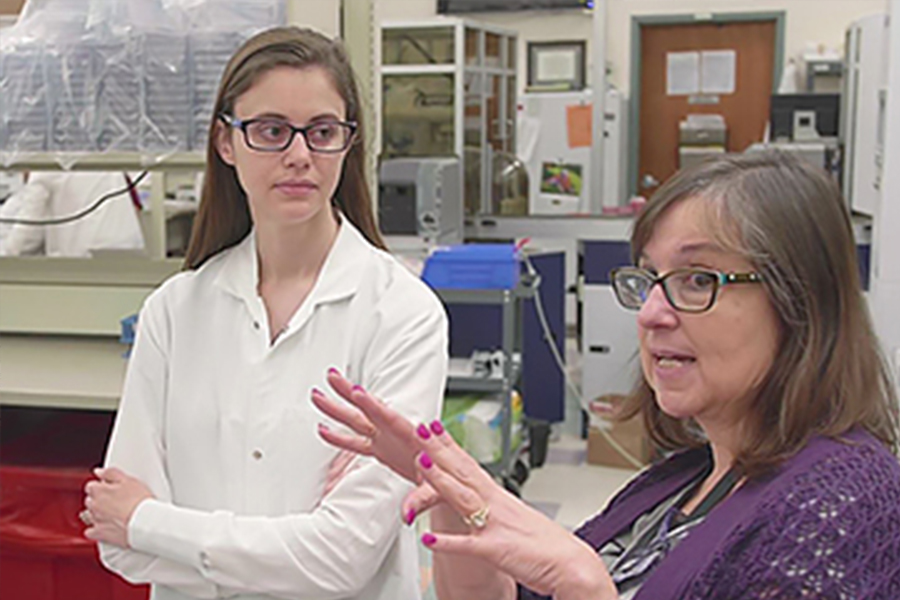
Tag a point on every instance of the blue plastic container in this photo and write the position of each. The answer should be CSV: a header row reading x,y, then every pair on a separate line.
x,y
473,266
129,325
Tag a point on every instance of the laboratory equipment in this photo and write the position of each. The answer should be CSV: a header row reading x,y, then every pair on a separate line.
x,y
864,102
422,198
701,137
607,333
804,117
823,72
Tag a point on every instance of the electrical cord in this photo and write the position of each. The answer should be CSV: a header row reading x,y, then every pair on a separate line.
x,y
81,214
551,341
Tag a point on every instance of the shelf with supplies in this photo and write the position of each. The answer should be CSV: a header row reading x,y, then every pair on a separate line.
x,y
497,372
62,316
161,167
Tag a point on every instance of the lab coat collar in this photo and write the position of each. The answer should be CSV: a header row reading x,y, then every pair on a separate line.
x,y
340,276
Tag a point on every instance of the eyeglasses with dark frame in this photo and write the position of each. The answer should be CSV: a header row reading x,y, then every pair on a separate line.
x,y
269,134
690,290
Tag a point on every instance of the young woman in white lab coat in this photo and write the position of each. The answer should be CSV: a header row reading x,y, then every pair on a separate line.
x,y
215,478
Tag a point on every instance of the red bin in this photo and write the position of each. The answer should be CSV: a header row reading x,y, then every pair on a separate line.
x,y
43,554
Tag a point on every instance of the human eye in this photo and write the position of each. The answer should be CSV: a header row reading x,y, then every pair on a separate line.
x,y
699,281
270,130
324,133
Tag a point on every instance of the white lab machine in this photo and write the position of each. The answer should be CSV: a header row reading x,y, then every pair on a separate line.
x,y
607,332
863,106
420,202
561,181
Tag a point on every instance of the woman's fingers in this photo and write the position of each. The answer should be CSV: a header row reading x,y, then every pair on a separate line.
x,y
460,544
444,451
344,441
465,500
418,501
374,409
344,414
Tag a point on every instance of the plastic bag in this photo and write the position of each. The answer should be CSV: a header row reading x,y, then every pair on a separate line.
x,y
119,75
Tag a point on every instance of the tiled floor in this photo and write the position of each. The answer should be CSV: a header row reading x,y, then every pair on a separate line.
x,y
566,488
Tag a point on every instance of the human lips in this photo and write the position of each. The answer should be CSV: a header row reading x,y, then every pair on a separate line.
x,y
671,358
296,186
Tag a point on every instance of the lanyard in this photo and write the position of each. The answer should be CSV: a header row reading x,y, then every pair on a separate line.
x,y
722,488
655,544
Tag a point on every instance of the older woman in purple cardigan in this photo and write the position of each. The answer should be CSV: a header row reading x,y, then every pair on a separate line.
x,y
762,383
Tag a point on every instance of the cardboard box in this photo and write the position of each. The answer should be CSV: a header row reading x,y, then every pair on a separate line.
x,y
11,7
629,434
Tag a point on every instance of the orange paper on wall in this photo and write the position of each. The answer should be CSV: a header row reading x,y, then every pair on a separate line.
x,y
578,124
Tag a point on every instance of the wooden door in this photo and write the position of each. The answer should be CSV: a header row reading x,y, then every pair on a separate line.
x,y
746,111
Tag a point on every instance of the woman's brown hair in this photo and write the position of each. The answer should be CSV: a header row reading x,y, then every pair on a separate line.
x,y
223,218
829,376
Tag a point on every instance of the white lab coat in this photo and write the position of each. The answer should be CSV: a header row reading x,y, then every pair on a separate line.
x,y
50,195
219,424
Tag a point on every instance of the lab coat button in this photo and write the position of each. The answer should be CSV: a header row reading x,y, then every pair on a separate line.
x,y
257,454
204,561
256,325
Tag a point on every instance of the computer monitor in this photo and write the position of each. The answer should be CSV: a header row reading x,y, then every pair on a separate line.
x,y
804,117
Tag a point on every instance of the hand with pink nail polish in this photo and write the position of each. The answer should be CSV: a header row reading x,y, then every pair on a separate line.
x,y
377,430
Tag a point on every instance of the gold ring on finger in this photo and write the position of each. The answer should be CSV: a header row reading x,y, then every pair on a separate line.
x,y
478,519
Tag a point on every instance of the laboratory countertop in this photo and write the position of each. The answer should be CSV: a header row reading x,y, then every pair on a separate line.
x,y
61,371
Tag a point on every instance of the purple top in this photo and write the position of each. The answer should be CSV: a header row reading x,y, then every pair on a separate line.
x,y
825,524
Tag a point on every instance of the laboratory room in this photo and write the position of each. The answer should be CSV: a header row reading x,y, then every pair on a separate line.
x,y
449,299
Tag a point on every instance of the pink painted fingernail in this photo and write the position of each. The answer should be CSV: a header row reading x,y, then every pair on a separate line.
x,y
410,516
437,428
423,432
429,540
358,388
323,427
425,461
317,392
333,371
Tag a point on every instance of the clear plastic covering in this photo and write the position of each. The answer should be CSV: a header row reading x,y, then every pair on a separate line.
x,y
119,75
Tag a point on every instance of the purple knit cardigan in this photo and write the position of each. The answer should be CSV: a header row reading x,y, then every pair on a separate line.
x,y
825,526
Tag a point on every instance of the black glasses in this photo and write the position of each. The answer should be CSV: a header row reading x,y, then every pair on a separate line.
x,y
268,134
687,290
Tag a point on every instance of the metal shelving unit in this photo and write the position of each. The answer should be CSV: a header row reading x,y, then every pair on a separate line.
x,y
512,310
448,88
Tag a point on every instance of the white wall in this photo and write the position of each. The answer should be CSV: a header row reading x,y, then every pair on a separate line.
x,y
816,21
323,15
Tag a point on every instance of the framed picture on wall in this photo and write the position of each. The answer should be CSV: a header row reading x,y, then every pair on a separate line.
x,y
556,65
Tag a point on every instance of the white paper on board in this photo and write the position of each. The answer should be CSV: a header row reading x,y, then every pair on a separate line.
x,y
718,71
682,73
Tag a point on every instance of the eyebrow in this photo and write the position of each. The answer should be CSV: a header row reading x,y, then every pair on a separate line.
x,y
281,117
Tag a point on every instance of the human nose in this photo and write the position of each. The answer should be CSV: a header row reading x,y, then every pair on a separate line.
x,y
298,151
656,310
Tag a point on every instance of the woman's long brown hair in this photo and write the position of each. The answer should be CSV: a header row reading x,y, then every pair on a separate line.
x,y
829,374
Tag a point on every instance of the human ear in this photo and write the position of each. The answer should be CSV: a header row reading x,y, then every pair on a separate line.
x,y
223,143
